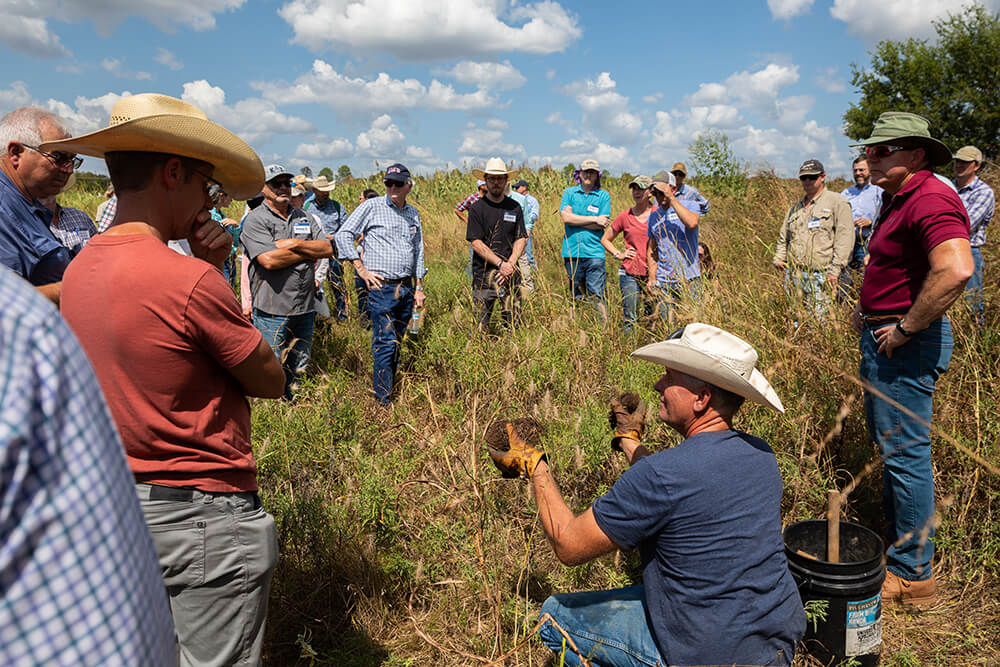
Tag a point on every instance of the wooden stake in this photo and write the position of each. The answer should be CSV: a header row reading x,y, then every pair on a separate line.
x,y
833,528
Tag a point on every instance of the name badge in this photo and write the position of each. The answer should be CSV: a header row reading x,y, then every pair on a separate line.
x,y
672,215
510,217
301,228
815,223
592,209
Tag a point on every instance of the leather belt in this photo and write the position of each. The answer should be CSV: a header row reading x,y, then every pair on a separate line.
x,y
882,319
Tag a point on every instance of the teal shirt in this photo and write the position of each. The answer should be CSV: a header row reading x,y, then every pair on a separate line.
x,y
580,242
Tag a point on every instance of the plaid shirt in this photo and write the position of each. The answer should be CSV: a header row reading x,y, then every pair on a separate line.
x,y
79,578
393,239
979,202
468,201
107,216
73,228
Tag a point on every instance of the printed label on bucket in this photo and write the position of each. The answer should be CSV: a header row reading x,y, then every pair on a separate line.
x,y
864,626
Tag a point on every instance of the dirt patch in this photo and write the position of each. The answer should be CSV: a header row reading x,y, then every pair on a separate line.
x,y
529,429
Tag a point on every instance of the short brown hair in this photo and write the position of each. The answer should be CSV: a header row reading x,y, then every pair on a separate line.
x,y
132,171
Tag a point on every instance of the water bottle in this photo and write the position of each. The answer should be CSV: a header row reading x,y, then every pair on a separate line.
x,y
416,321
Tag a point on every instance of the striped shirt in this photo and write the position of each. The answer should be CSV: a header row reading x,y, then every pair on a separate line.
x,y
393,239
979,202
79,578
73,228
106,215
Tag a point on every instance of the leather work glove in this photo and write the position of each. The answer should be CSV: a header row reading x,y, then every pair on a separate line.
x,y
627,418
512,454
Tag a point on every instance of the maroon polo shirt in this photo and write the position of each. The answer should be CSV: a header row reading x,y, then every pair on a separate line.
x,y
923,214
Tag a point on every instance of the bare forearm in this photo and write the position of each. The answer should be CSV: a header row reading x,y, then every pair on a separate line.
x,y
633,449
52,291
314,249
518,250
940,290
688,218
483,250
553,511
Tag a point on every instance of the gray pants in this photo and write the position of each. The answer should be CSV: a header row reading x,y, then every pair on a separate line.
x,y
217,552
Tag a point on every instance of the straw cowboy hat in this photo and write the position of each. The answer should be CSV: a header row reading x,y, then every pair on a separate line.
x,y
322,184
494,166
717,357
160,124
894,126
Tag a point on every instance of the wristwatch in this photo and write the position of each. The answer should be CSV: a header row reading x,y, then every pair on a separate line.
x,y
900,329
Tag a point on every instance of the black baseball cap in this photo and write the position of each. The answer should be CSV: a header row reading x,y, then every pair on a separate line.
x,y
397,173
811,168
520,183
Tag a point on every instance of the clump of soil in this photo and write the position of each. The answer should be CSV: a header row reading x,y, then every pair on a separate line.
x,y
529,429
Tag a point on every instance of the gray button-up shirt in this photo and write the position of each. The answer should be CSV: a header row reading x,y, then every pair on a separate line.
x,y
288,291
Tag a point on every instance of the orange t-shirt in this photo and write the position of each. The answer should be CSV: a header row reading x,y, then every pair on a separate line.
x,y
161,330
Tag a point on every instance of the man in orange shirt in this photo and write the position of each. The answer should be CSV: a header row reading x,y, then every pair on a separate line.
x,y
176,360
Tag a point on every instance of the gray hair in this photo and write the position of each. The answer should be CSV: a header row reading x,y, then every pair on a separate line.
x,y
24,126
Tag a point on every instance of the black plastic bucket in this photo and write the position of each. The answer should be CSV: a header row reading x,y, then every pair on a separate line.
x,y
852,590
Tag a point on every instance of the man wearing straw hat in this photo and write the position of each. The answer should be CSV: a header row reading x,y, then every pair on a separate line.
x,y
176,361
331,214
704,515
498,237
919,263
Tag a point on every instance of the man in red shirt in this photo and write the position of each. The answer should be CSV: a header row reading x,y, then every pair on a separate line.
x,y
176,360
919,263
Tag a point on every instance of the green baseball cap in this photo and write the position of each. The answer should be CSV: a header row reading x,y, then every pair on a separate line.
x,y
641,182
893,126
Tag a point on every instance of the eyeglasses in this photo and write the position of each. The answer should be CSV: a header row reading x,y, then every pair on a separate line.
x,y
882,151
393,184
809,177
209,182
60,160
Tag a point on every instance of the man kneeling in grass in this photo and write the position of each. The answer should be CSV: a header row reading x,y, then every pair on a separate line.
x,y
705,516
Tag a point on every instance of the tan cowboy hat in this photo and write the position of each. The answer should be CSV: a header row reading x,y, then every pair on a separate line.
x,y
161,124
494,166
322,184
717,357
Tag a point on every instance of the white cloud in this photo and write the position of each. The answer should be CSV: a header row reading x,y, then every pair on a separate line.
x,y
652,99
29,33
758,91
431,30
830,80
114,66
605,110
167,59
88,113
25,27
479,144
324,85
578,149
15,96
324,149
708,93
253,119
787,9
897,19
550,74
499,76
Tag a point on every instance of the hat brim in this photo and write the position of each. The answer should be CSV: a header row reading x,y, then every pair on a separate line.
x,y
937,152
481,175
320,188
235,164
681,357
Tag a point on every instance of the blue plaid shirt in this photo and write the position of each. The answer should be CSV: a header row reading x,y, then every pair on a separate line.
x,y
393,239
73,228
330,214
979,202
79,578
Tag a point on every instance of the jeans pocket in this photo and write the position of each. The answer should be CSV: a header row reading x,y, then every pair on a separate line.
x,y
181,549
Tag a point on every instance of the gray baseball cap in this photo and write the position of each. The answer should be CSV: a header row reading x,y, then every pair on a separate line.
x,y
272,171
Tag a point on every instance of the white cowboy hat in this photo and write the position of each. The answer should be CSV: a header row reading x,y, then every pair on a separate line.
x,y
322,184
717,357
494,166
161,124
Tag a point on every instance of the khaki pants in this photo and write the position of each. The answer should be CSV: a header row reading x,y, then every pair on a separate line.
x,y
217,553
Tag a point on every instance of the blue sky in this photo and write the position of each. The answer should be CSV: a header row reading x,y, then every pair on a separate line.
x,y
452,82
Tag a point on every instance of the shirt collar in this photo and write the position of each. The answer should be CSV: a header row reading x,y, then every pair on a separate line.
x,y
973,184
15,178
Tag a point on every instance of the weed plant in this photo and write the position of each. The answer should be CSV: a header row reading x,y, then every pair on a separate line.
x,y
400,545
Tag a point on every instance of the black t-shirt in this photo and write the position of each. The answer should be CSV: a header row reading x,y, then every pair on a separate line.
x,y
496,225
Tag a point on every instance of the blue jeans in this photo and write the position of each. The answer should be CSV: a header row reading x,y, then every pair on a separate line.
x,y
290,336
587,277
974,288
811,288
670,294
633,293
390,308
608,627
338,288
856,265
904,443
529,252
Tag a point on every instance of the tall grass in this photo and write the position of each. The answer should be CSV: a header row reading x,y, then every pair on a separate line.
x,y
399,543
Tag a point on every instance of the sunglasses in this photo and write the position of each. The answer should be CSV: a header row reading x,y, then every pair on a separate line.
x,y
60,160
393,184
277,185
883,151
811,177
